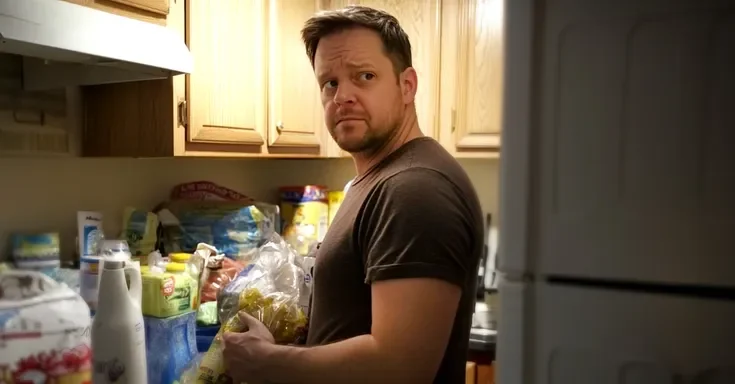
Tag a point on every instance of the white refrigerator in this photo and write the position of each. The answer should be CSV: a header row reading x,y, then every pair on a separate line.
x,y
617,202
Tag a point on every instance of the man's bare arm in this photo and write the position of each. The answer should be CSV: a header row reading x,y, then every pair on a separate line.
x,y
411,325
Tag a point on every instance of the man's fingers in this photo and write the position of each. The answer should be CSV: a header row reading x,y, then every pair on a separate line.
x,y
246,320
229,337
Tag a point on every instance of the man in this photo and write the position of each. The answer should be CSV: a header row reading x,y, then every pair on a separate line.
x,y
396,274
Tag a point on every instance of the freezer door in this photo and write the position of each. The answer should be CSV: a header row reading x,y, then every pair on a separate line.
x,y
619,140
594,336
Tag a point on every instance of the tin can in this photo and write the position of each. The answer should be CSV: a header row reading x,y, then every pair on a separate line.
x,y
305,213
335,200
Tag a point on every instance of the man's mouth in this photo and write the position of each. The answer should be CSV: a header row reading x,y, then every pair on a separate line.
x,y
348,119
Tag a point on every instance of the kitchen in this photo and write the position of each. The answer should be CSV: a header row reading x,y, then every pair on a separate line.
x,y
139,139
617,175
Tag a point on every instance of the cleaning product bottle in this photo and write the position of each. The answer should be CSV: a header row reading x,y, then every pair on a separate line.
x,y
118,335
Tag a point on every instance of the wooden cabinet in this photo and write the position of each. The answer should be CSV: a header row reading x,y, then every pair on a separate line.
x,y
471,77
226,95
152,11
470,372
252,92
295,113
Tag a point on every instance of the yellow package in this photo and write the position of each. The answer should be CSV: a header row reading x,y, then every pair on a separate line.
x,y
168,294
285,321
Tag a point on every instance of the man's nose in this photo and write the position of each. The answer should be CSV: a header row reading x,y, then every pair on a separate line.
x,y
344,95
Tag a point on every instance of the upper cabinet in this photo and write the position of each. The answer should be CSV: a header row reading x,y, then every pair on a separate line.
x,y
152,11
253,91
226,93
472,77
295,115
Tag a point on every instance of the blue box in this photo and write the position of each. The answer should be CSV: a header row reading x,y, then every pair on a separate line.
x,y
170,346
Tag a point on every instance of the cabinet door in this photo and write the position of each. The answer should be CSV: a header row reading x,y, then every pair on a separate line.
x,y
227,91
152,11
476,116
421,21
295,117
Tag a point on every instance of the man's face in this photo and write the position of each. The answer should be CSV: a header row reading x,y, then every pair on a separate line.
x,y
364,101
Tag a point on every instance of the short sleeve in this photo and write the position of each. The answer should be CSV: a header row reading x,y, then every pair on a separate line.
x,y
415,224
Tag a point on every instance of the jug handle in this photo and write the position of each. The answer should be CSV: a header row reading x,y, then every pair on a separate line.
x,y
133,272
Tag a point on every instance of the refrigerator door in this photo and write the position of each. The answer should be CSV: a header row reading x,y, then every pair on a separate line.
x,y
619,140
553,334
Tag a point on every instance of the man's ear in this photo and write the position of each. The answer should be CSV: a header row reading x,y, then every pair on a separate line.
x,y
408,81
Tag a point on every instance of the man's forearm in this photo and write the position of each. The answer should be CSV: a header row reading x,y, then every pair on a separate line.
x,y
355,360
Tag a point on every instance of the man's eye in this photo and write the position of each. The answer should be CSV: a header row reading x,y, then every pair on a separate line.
x,y
367,76
330,84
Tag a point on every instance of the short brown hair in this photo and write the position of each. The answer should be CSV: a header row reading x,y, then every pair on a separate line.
x,y
395,40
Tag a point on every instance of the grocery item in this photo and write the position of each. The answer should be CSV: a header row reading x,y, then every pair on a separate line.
x,y
269,290
335,200
36,251
207,314
139,229
206,190
118,336
89,280
220,273
235,228
170,345
44,331
192,270
89,225
169,293
305,213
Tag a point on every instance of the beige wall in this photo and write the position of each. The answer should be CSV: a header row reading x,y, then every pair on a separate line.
x,y
44,194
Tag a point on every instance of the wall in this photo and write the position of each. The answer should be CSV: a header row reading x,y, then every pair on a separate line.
x,y
45,193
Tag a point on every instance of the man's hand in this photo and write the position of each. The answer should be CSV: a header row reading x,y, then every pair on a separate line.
x,y
247,354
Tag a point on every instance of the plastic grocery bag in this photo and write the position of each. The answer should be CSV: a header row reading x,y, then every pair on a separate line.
x,y
270,290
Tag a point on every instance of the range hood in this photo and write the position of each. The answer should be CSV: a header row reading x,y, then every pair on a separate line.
x,y
65,44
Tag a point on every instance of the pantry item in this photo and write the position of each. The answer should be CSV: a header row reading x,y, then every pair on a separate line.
x,y
335,200
235,228
89,225
44,329
221,271
206,190
169,293
36,251
89,280
170,345
192,269
305,212
118,335
139,230
269,290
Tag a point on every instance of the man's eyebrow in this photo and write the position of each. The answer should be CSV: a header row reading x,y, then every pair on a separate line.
x,y
353,65
359,65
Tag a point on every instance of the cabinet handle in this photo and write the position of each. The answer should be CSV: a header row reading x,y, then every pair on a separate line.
x,y
279,127
454,120
183,113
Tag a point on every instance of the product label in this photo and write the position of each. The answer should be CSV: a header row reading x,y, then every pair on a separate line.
x,y
168,287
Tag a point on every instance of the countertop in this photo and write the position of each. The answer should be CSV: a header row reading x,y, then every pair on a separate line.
x,y
482,340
